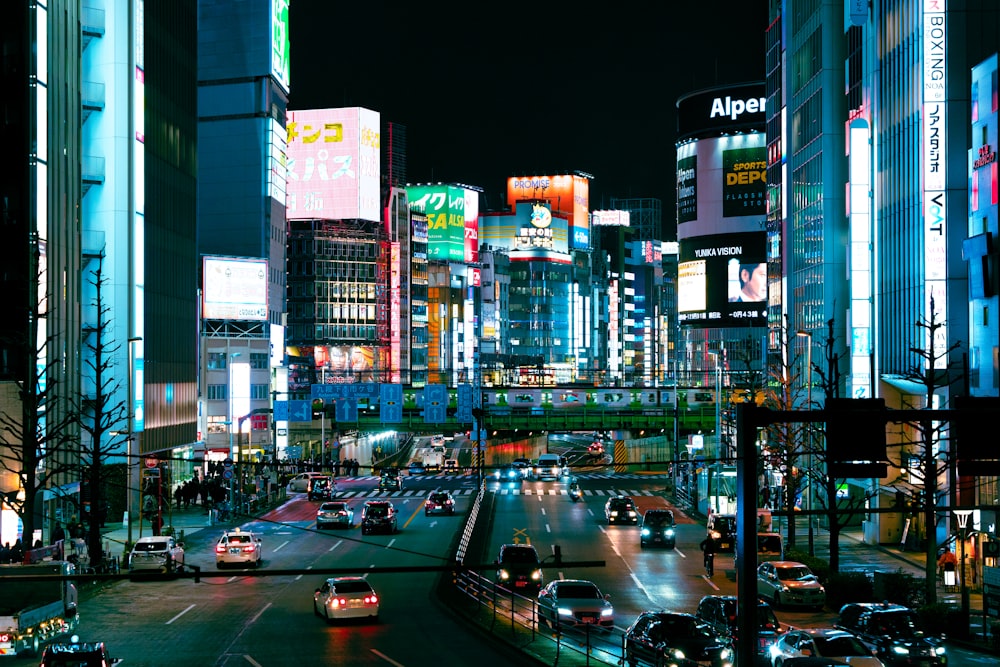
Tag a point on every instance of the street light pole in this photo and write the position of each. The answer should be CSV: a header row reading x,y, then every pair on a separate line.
x,y
963,524
232,457
809,342
132,457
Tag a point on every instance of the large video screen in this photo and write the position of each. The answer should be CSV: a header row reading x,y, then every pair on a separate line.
x,y
234,288
722,280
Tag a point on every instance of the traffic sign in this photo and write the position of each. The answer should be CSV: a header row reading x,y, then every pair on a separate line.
x,y
227,474
227,463
151,462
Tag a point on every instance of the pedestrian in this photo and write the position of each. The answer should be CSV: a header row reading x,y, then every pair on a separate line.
x,y
336,468
17,553
179,496
765,497
58,533
5,554
708,548
355,466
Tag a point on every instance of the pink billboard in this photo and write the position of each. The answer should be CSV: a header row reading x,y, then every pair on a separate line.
x,y
333,164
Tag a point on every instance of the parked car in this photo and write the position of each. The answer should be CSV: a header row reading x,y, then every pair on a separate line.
x,y
519,568
657,528
300,483
77,654
894,632
575,603
439,502
823,643
322,488
791,583
334,514
156,552
346,597
719,611
671,638
378,516
621,509
239,547
721,529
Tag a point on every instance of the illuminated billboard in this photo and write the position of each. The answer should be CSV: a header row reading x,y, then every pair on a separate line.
x,y
234,288
566,194
280,45
471,226
334,172
722,280
611,218
533,232
444,206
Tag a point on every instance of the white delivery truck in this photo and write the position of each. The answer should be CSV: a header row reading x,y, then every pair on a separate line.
x,y
33,612
432,458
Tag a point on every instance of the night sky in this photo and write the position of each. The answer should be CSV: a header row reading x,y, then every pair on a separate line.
x,y
488,90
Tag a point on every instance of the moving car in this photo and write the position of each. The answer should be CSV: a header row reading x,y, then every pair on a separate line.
x,y
389,482
378,516
894,631
671,638
719,611
657,528
239,547
439,502
334,514
519,568
415,468
77,654
575,603
346,597
158,552
301,482
322,488
791,583
721,529
508,474
822,643
451,465
621,509
549,466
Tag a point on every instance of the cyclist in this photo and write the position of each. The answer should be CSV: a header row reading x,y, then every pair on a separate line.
x,y
708,548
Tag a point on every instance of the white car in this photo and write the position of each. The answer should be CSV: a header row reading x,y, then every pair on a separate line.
x,y
157,552
575,603
239,547
301,482
822,643
345,597
788,582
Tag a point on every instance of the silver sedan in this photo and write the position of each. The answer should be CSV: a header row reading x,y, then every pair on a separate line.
x,y
334,514
575,603
822,643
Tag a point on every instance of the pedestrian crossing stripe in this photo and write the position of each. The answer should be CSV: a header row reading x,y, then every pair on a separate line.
x,y
602,493
578,475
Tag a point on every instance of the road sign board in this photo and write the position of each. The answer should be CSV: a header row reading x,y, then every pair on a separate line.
x,y
151,462
227,474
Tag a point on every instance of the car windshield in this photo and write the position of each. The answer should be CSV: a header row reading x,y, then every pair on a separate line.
x,y
150,546
239,539
578,592
769,543
766,620
898,624
378,511
677,626
335,507
725,525
840,646
520,556
621,504
352,587
439,497
659,519
793,573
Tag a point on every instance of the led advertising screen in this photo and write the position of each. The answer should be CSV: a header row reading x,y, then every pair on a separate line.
x,y
722,280
611,218
707,112
334,171
721,185
533,231
566,194
280,45
234,288
444,206
471,226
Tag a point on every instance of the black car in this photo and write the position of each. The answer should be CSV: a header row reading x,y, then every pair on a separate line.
x,y
77,654
671,638
390,483
719,611
321,488
621,509
894,632
519,568
378,516
721,529
657,528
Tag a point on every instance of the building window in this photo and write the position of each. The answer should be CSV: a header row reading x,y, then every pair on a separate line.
x,y
258,360
259,391
217,424
217,392
216,361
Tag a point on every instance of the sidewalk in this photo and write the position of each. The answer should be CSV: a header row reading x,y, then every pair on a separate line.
x,y
184,522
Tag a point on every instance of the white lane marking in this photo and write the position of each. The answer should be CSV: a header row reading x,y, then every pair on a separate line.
x,y
300,576
257,615
339,542
679,552
710,582
548,528
189,608
543,511
278,548
391,542
251,661
386,658
618,553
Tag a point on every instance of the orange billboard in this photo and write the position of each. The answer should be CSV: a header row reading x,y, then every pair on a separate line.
x,y
568,194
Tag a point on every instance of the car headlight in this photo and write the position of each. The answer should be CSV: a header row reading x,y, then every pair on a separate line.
x,y
900,650
715,535
614,512
939,650
565,611
607,612
645,532
504,574
678,654
669,532
536,575
724,654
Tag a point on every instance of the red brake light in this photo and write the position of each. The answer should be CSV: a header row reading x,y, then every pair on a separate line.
x,y
339,602
220,548
371,599
249,548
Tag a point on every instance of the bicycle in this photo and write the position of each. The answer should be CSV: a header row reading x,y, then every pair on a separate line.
x,y
709,564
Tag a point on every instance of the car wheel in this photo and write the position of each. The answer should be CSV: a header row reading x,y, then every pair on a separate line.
x,y
219,565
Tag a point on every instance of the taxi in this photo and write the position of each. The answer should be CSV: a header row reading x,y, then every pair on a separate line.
x,y
239,547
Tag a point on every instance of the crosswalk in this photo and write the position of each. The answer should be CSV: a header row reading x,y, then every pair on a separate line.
x,y
602,493
578,475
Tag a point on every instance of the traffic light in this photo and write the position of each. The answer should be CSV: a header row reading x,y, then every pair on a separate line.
x,y
855,437
974,448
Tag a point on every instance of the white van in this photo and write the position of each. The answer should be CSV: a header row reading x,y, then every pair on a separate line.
x,y
550,466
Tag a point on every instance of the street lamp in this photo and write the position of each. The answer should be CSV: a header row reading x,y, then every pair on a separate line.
x,y
809,347
963,523
132,456
232,457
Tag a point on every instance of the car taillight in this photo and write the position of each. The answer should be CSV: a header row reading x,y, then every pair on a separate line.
x,y
249,548
342,513
449,502
220,548
371,599
339,602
